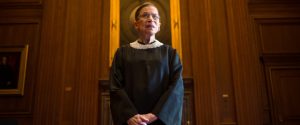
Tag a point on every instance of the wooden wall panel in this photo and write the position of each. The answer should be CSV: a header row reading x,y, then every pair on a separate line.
x,y
20,2
223,68
104,47
282,76
200,27
67,89
277,24
215,40
247,71
280,37
21,33
104,107
285,86
188,111
49,87
271,10
274,1
16,121
20,27
185,36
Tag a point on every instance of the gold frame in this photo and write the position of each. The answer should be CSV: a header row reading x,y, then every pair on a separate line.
x,y
114,40
23,50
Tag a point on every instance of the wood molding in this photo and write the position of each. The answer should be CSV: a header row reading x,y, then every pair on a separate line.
x,y
287,59
272,1
278,35
283,89
281,10
20,3
20,13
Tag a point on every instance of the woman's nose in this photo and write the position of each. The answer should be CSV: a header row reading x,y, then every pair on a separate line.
x,y
150,18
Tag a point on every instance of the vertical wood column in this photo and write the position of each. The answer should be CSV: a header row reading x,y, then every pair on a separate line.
x,y
247,75
49,87
203,63
88,59
226,67
67,88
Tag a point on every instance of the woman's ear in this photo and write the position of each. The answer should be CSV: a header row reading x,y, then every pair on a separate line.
x,y
135,25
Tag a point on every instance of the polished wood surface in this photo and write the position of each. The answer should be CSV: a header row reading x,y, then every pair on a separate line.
x,y
282,73
277,24
18,29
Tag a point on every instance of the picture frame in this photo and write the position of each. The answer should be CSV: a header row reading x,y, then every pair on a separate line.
x,y
13,61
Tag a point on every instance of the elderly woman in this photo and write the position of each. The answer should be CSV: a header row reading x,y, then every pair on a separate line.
x,y
146,81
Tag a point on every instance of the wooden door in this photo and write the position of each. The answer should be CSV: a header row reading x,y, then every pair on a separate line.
x,y
277,30
283,83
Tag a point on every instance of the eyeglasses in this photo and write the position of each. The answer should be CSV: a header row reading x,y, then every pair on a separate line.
x,y
147,15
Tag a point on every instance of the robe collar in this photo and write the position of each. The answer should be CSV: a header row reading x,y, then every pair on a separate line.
x,y
138,45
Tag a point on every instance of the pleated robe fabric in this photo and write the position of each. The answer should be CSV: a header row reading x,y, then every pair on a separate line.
x,y
146,81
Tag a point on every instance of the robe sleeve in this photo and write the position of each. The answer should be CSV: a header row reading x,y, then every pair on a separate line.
x,y
121,106
169,107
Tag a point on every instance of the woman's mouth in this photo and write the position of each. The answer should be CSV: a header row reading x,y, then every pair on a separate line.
x,y
150,26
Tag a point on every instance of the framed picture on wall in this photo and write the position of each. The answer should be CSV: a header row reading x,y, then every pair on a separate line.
x,y
13,60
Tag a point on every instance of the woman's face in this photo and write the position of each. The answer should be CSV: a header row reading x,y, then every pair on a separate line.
x,y
148,21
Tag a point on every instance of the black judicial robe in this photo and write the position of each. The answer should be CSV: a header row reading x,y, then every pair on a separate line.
x,y
146,81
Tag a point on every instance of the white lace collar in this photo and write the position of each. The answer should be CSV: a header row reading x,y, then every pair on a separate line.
x,y
138,45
